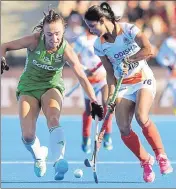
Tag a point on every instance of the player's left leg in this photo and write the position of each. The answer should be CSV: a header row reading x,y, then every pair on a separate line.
x,y
51,102
144,101
107,137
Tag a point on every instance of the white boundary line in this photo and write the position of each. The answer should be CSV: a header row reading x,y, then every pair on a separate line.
x,y
77,118
78,162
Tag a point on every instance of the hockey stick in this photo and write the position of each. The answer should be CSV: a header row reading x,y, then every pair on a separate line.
x,y
92,162
78,84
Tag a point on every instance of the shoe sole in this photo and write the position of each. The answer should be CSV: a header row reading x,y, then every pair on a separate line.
x,y
61,167
37,170
170,170
150,181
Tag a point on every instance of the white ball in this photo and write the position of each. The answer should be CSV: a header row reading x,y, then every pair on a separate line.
x,y
78,173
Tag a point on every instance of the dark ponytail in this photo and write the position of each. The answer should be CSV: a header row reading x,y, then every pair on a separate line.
x,y
96,12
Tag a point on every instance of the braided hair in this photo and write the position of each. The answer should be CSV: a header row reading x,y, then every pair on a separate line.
x,y
52,16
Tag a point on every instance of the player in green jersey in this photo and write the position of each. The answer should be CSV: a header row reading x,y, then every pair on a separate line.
x,y
41,87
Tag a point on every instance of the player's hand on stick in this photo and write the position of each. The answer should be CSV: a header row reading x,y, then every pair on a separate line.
x,y
4,66
126,60
111,106
97,110
124,66
125,69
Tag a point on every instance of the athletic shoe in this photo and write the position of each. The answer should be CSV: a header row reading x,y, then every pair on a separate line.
x,y
61,167
86,145
40,164
107,142
148,174
164,164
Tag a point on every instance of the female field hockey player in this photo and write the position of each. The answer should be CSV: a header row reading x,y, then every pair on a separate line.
x,y
167,57
84,48
41,87
123,42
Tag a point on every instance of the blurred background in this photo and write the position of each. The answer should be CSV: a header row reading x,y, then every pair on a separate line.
x,y
18,18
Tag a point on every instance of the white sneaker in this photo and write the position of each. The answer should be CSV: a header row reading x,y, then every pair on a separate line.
x,y
40,164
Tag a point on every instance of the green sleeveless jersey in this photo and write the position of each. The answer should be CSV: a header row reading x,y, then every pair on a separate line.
x,y
42,69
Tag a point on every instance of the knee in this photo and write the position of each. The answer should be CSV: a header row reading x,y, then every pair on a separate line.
x,y
27,138
141,118
53,121
28,134
125,130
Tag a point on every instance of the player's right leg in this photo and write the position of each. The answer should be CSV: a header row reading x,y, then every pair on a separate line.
x,y
86,128
124,113
144,101
29,109
51,102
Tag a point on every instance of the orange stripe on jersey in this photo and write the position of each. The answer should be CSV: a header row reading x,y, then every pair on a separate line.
x,y
97,78
132,80
138,77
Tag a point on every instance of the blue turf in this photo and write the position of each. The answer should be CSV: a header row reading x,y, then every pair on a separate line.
x,y
110,175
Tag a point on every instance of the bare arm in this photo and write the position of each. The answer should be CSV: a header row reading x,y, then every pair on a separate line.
x,y
71,57
29,42
111,80
146,50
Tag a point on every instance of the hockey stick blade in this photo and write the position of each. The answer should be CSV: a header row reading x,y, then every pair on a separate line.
x,y
88,163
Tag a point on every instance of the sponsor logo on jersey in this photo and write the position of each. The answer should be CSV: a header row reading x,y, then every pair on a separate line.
x,y
46,59
125,52
44,66
37,52
58,57
126,41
